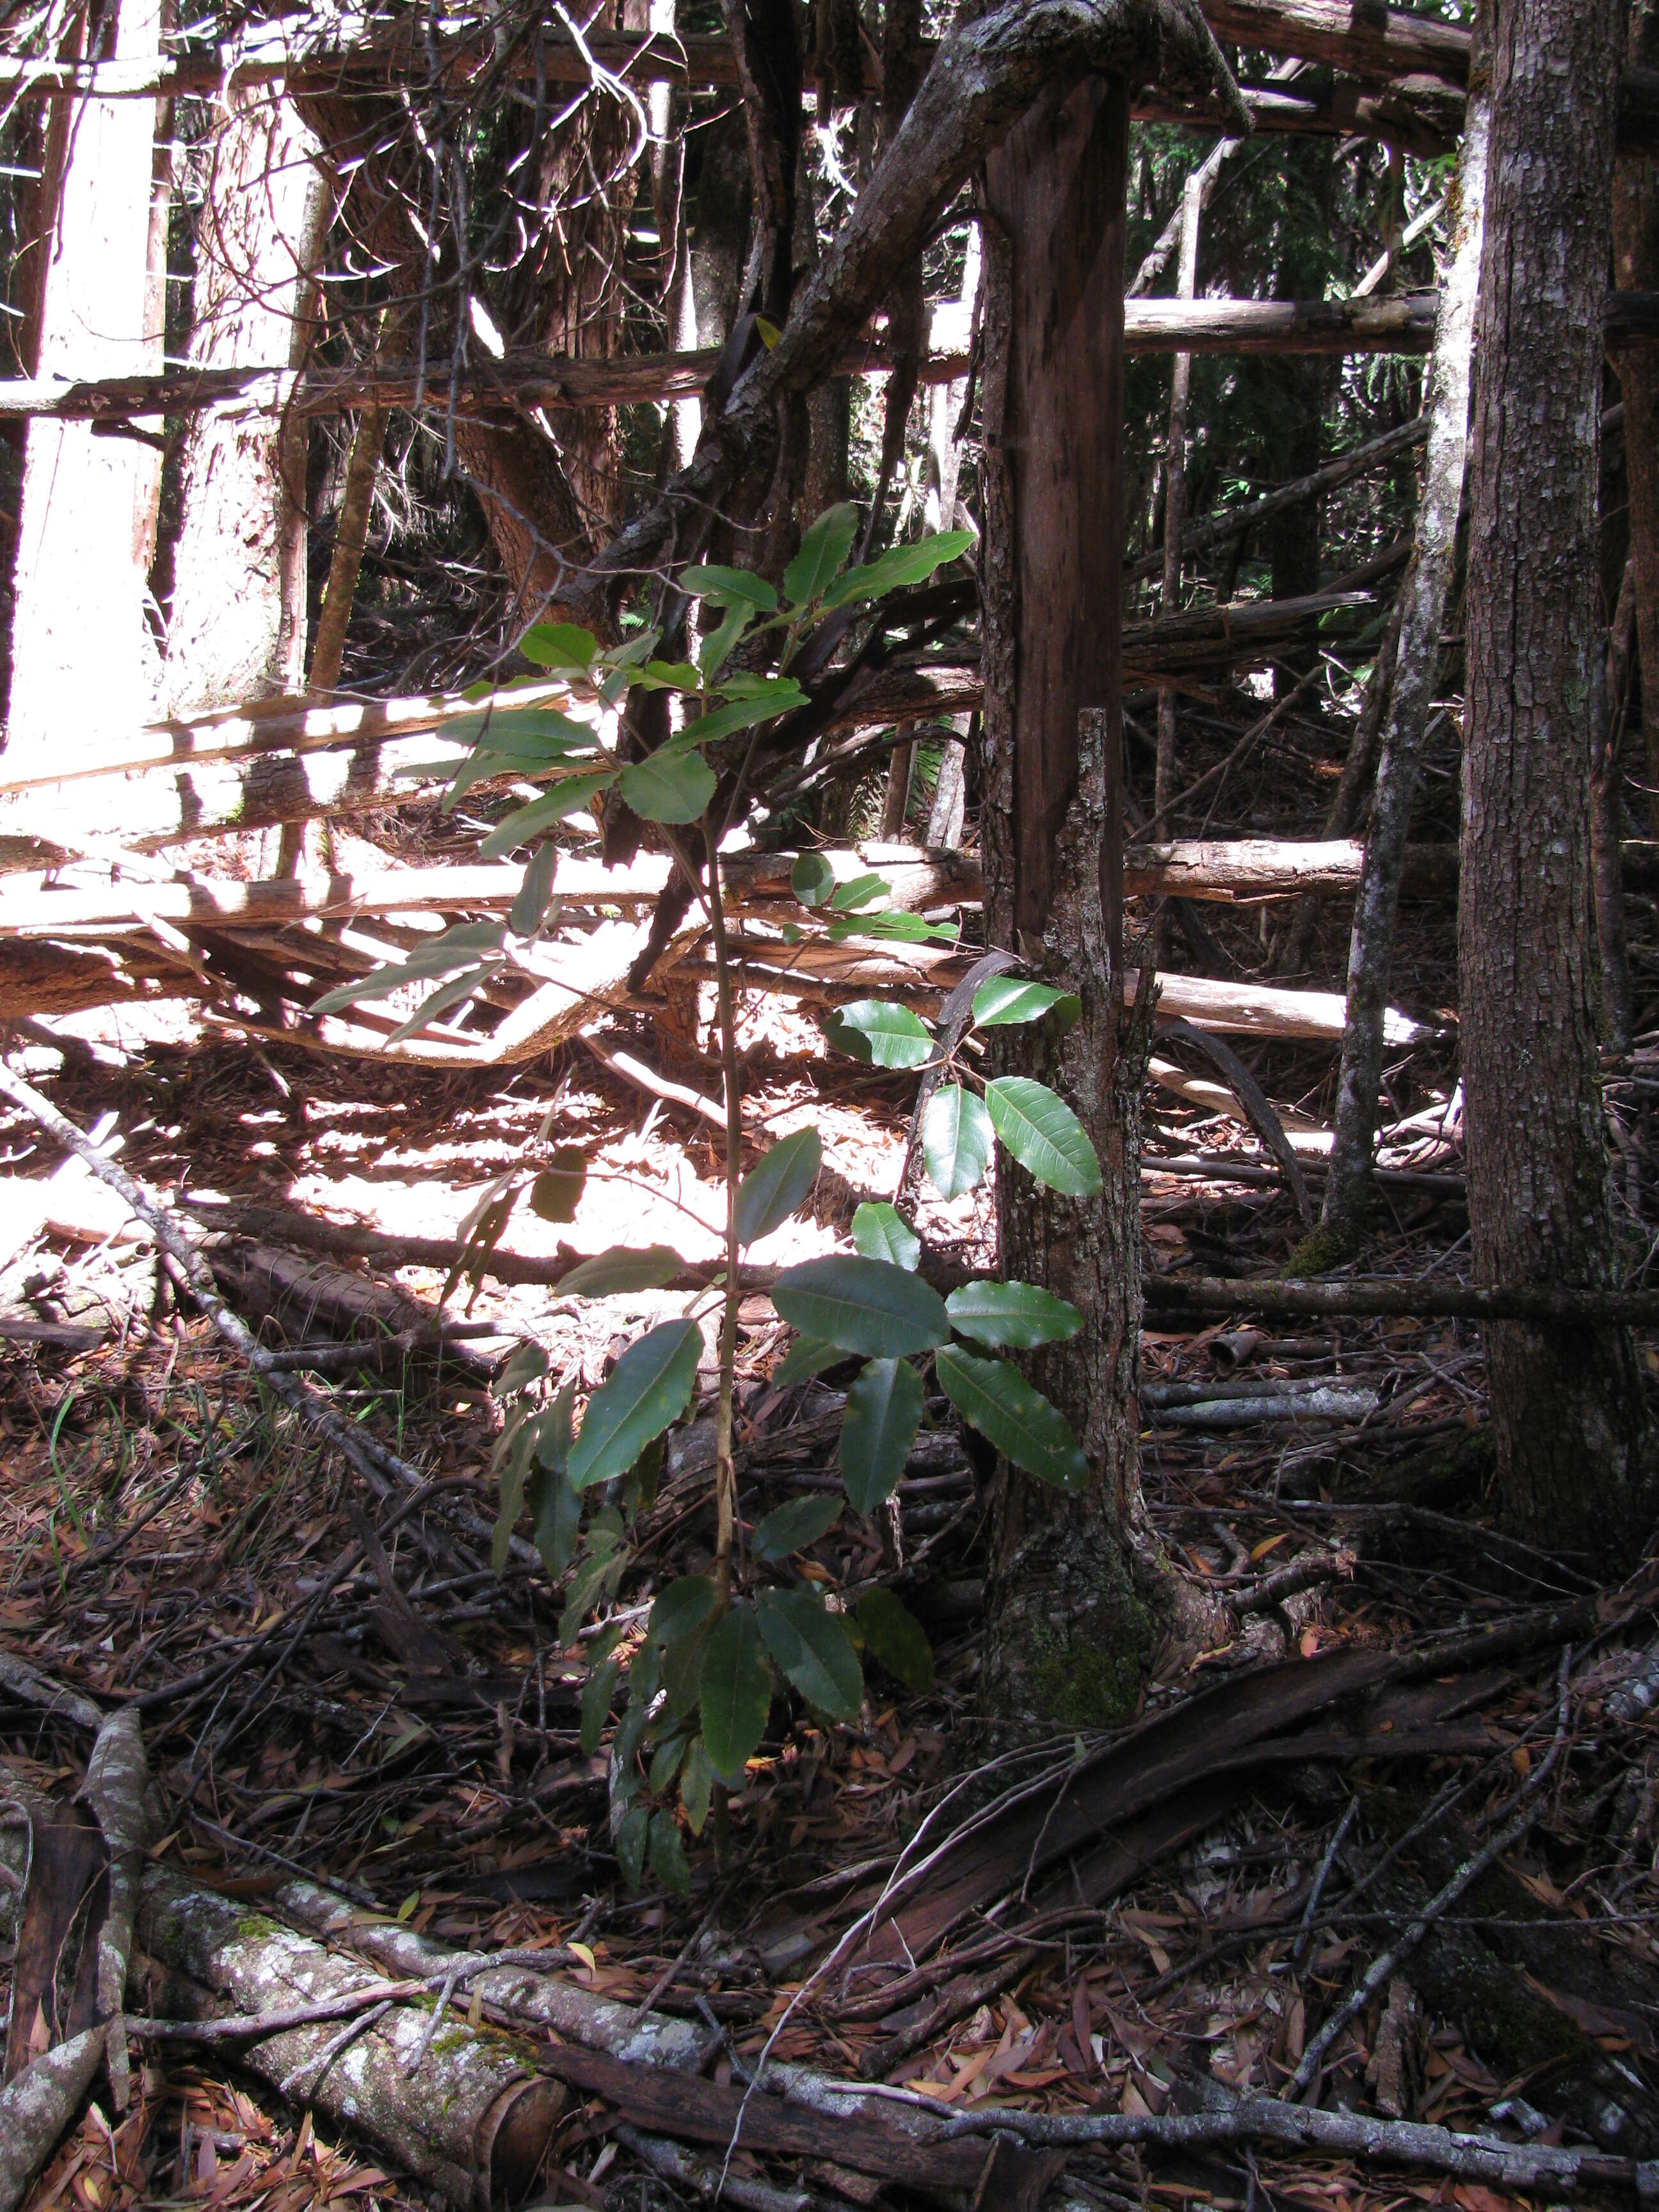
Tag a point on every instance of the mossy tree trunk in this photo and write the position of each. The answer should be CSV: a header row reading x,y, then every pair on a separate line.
x,y
1069,1632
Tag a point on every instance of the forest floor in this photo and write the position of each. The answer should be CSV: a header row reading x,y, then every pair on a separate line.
x,y
169,1532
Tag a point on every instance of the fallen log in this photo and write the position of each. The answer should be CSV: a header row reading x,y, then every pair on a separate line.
x,y
1375,1297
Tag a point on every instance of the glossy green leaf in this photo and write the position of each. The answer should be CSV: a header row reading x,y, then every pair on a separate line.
x,y
528,1364
880,1034
558,645
806,1357
714,650
736,1692
774,1186
623,1267
811,879
529,902
533,735
813,1651
867,1306
1043,1134
996,1399
595,1578
556,1429
696,1784
957,1140
669,676
893,926
1002,1001
859,891
792,1528
824,550
895,1639
898,568
650,1386
665,1764
568,796
556,1192
631,1839
1018,1314
781,695
682,1610
723,586
671,786
881,1232
667,1855
883,1412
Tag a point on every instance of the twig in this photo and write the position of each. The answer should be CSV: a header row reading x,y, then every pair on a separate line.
x,y
312,2070
1323,1877
255,2026
1471,1870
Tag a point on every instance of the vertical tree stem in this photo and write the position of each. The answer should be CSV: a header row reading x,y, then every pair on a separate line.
x,y
725,1477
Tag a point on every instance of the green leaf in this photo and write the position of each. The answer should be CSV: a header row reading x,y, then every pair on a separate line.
x,y
806,1357
824,550
529,902
650,1386
813,1651
883,1412
630,1844
696,1784
861,890
680,1621
556,1514
767,333
556,1192
780,696
596,1694
811,879
623,1268
568,796
670,785
774,1186
535,734
595,1578
1043,1134
558,645
713,651
1016,1314
668,1855
792,1528
723,586
513,1467
880,1034
528,1364
893,925
895,1639
665,1764
957,1140
556,1429
996,1399
898,568
450,949
867,1306
439,1001
669,676
736,1693
881,1232
1002,1001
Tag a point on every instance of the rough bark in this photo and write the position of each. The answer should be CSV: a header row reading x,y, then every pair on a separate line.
x,y
1635,262
1611,678
85,501
1174,496
1069,1634
1416,676
232,563
1574,1453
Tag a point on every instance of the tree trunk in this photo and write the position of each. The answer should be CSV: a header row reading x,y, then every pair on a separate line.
x,y
82,524
1417,669
1573,1438
1611,677
1636,263
1175,513
1069,1634
226,628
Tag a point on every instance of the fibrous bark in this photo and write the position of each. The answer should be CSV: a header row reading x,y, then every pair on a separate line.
x,y
1417,669
232,623
1635,261
1573,1438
